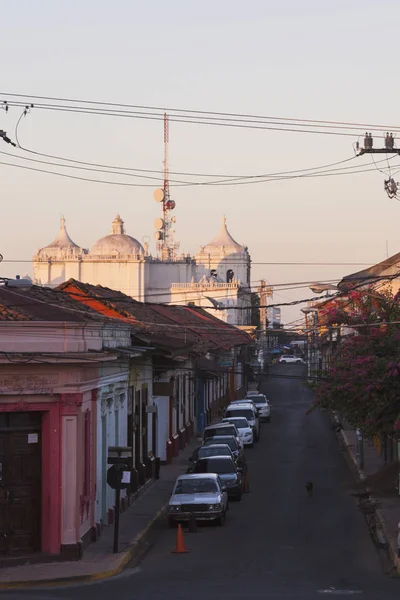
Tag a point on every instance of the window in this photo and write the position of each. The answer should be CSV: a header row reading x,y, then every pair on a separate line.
x,y
229,276
221,466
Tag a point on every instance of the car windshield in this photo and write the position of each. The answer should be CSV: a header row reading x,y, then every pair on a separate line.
x,y
227,430
214,451
241,412
216,465
259,399
242,422
230,441
195,486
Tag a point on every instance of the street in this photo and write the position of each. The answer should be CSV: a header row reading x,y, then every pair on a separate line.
x,y
277,542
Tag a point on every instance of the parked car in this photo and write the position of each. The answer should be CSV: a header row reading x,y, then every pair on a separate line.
x,y
231,440
203,495
244,428
250,393
263,407
286,358
228,471
246,401
222,429
206,451
248,411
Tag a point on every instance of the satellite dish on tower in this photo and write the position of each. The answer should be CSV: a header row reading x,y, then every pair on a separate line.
x,y
159,223
159,195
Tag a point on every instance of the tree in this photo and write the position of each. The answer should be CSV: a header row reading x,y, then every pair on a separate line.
x,y
362,380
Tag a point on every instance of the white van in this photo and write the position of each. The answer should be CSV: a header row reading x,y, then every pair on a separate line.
x,y
248,411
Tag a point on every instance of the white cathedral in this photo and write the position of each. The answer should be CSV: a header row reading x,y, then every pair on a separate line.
x,y
217,278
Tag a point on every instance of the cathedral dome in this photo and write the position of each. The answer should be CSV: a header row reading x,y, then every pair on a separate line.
x,y
61,244
117,242
223,240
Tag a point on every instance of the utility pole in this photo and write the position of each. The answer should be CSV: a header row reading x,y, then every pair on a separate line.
x,y
369,146
390,185
262,291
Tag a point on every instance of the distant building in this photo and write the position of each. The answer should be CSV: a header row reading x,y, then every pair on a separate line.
x,y
274,317
383,275
217,279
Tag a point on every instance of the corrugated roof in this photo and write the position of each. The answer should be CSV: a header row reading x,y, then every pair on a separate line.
x,y
369,275
42,304
166,325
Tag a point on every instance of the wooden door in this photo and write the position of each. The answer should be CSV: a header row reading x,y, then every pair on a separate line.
x,y
20,484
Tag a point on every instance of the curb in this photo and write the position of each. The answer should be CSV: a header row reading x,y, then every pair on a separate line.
x,y
348,447
126,557
391,545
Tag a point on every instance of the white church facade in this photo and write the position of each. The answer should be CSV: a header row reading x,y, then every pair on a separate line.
x,y
217,278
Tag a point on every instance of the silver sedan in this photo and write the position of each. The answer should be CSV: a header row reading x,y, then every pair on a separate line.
x,y
202,495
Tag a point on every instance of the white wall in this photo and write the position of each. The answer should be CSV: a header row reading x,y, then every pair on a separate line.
x,y
112,413
162,403
222,262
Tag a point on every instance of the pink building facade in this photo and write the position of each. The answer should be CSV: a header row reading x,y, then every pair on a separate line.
x,y
52,374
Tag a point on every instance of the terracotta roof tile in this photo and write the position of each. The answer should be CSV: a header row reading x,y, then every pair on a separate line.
x,y
42,304
185,325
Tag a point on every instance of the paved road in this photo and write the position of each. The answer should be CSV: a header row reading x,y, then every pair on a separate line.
x,y
277,543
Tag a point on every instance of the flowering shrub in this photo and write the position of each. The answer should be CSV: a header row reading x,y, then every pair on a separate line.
x,y
362,381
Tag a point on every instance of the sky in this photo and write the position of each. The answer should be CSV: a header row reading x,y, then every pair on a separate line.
x,y
311,60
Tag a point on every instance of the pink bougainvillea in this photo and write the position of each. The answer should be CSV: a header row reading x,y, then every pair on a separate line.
x,y
362,380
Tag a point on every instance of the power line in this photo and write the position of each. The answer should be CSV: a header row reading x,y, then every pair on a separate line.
x,y
237,180
81,168
125,184
117,298
188,174
228,180
225,181
269,263
199,112
76,177
180,118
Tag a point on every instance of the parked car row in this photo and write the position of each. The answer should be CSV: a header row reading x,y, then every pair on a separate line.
x,y
217,467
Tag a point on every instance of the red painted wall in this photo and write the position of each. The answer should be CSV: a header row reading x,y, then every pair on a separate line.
x,y
51,469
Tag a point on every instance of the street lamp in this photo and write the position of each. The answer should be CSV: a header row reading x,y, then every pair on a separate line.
x,y
318,288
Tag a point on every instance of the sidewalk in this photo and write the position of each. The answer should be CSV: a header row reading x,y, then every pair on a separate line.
x,y
388,513
98,561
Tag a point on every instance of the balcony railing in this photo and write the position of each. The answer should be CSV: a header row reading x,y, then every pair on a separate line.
x,y
206,286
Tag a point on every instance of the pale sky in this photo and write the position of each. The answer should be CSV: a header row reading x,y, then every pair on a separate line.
x,y
312,60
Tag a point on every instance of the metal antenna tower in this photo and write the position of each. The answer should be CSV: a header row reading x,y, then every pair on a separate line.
x,y
164,235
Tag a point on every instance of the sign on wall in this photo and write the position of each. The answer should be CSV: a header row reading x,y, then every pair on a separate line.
x,y
32,384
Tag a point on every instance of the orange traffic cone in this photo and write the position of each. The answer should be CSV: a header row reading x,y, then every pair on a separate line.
x,y
246,485
180,544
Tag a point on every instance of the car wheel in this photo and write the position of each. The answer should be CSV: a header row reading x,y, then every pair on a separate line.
x,y
221,520
283,362
298,362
